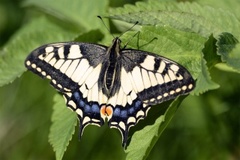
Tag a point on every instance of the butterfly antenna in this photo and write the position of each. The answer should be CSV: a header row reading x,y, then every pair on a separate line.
x,y
125,45
105,25
129,28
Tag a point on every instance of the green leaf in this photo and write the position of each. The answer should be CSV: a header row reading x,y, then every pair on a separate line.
x,y
190,17
209,59
210,52
80,12
235,57
63,127
92,36
144,140
23,42
226,43
226,5
204,81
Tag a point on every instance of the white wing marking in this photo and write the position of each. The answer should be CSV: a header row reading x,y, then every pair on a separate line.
x,y
49,49
59,63
74,52
85,93
132,81
171,75
95,92
49,57
120,96
82,89
152,78
52,61
133,95
162,66
174,67
146,80
93,76
148,63
166,78
127,87
159,78
65,66
124,100
80,70
84,77
61,52
102,99
137,77
89,94
72,68
113,100
129,100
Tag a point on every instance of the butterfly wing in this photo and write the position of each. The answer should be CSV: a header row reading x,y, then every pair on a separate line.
x,y
73,69
146,79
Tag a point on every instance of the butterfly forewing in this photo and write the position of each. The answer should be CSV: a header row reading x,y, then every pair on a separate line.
x,y
156,79
73,69
106,83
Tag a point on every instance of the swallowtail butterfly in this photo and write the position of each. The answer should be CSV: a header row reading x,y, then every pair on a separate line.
x,y
109,83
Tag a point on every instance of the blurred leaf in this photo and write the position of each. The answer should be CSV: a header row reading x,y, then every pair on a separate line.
x,y
92,36
226,43
143,141
28,37
225,67
81,12
62,128
25,109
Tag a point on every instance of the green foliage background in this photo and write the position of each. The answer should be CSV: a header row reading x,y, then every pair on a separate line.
x,y
202,35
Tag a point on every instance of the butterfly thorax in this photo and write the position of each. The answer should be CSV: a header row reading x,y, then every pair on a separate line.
x,y
111,75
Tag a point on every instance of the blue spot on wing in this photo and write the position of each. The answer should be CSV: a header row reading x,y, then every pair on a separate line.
x,y
123,112
116,112
89,109
95,108
77,96
131,110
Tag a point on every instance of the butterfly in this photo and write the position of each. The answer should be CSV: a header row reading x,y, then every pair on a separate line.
x,y
110,84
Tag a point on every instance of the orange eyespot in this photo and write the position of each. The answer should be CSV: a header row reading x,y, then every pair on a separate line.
x,y
109,111
106,111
